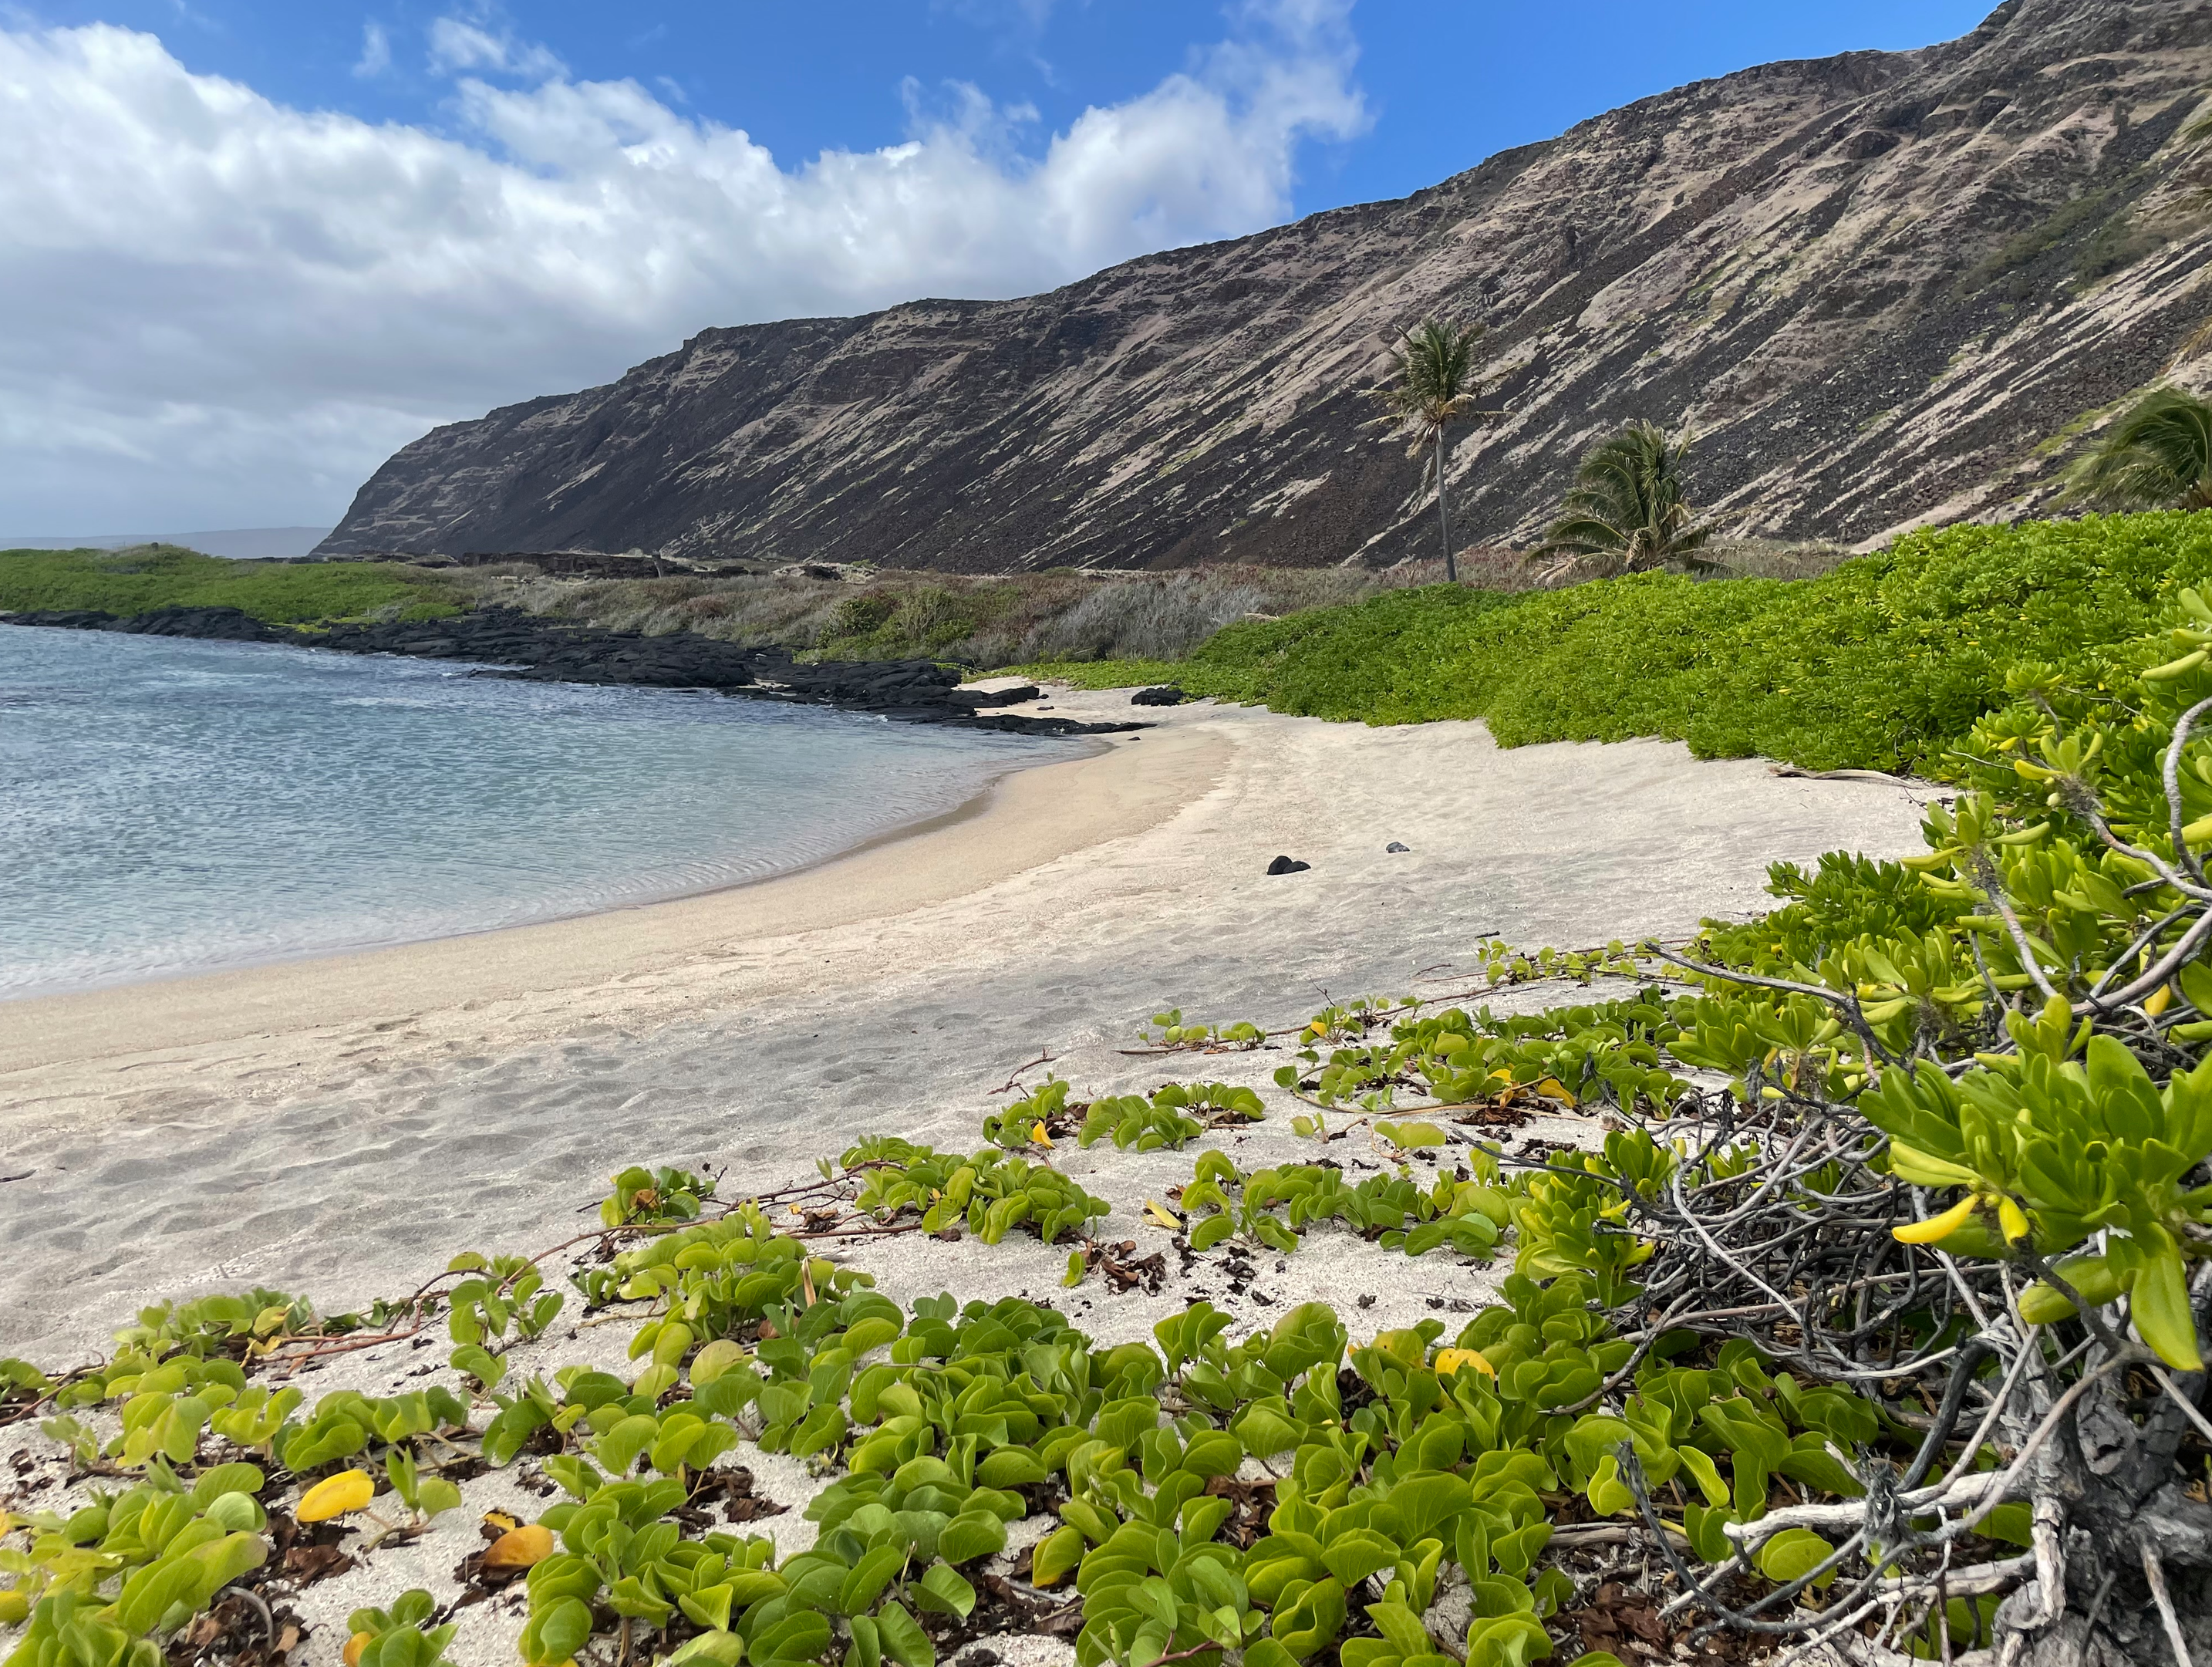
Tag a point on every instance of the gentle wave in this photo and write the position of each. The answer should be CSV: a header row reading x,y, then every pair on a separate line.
x,y
170,807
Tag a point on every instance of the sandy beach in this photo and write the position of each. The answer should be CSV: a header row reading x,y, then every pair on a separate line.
x,y
340,1127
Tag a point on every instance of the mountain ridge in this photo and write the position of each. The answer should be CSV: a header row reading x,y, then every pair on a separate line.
x,y
1874,285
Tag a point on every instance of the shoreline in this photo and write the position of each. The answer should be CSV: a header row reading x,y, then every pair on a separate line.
x,y
1018,820
975,804
340,1127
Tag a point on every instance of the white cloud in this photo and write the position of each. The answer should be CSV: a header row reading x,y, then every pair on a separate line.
x,y
225,311
376,51
456,46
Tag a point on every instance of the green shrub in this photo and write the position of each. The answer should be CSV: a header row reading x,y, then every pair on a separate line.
x,y
151,576
1884,663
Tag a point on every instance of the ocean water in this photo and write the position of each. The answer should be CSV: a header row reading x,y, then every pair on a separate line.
x,y
170,807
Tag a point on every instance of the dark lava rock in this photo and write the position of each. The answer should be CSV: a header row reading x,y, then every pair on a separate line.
x,y
69,619
1285,865
214,624
510,644
1165,694
1394,846
980,697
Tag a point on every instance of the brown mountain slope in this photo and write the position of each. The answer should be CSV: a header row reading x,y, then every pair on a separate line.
x,y
1875,285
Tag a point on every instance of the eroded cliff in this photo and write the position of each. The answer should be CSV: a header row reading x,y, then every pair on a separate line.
x,y
1876,287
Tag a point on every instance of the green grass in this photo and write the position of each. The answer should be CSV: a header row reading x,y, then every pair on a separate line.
x,y
141,579
1883,663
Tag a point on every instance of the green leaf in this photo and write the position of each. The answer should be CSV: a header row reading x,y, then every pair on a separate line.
x,y
1211,1231
1355,1554
717,1359
800,1637
217,1479
868,1578
2160,1306
709,1606
1056,1555
436,1494
1792,1554
904,1639
148,1594
563,1630
944,1589
971,1535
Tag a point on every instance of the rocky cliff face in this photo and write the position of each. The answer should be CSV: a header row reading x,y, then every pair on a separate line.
x,y
1876,286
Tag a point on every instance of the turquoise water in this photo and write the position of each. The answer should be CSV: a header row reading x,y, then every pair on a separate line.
x,y
171,807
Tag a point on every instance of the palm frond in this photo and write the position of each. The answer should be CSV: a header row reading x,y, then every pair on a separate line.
x,y
1433,380
1629,504
2158,456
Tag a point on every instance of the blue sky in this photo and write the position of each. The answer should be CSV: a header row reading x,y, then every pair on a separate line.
x,y
1447,83
250,248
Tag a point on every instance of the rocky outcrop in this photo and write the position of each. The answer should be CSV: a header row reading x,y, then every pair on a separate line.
x,y
538,650
1876,286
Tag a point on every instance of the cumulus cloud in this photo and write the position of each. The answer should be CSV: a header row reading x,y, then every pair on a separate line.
x,y
225,311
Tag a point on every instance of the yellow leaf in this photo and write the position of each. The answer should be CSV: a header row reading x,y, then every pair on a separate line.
x,y
351,1654
520,1548
2159,1000
502,1520
1450,1361
336,1496
2013,1219
1407,1348
1038,1136
1162,1215
1937,1227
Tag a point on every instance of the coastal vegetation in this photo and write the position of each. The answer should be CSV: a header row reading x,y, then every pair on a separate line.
x,y
974,621
145,577
1887,662
1875,1294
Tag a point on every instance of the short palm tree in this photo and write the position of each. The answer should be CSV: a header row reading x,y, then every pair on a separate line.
x,y
2159,456
1434,386
1629,509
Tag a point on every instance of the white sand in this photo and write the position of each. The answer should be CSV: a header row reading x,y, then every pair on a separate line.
x,y
341,1127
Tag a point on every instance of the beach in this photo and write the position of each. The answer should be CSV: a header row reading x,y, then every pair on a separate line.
x,y
339,1128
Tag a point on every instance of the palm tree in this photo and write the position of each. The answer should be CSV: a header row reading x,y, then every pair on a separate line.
x,y
1629,508
1435,387
2159,456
